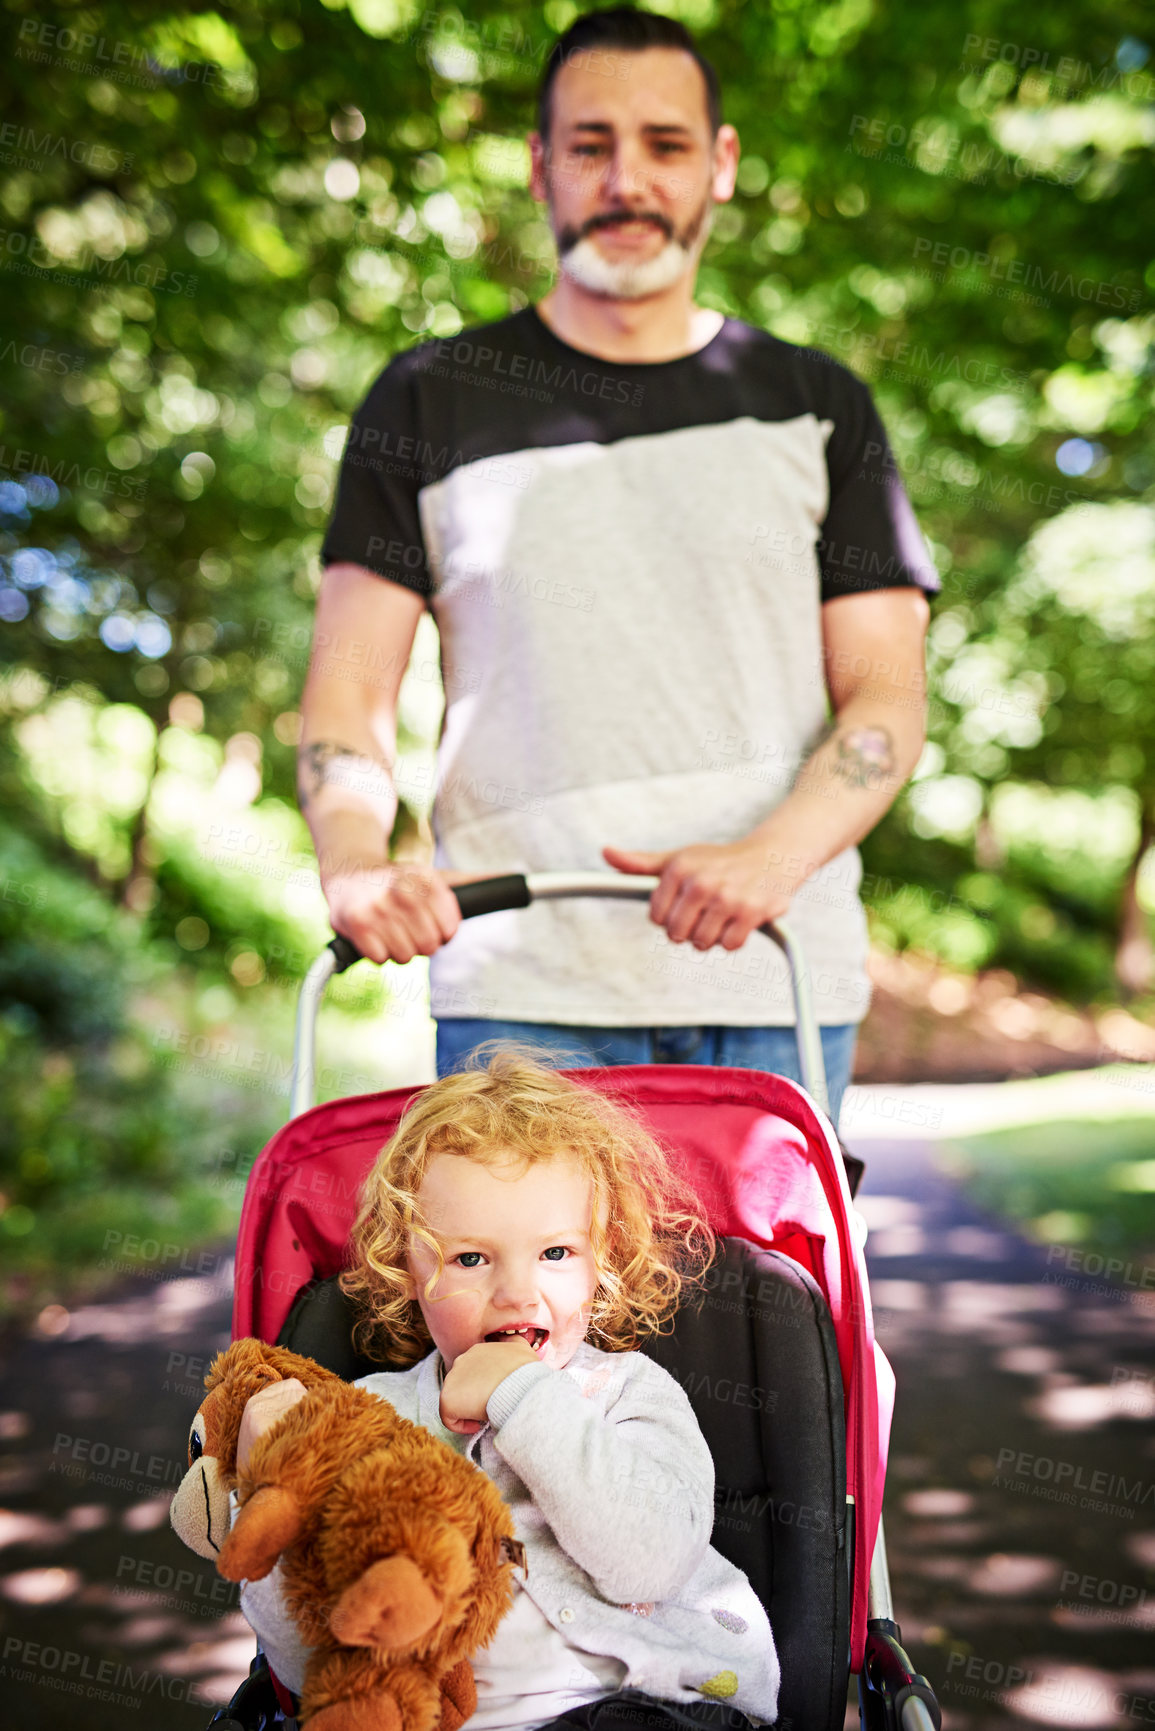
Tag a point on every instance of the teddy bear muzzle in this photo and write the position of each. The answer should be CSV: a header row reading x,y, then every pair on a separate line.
x,y
200,1508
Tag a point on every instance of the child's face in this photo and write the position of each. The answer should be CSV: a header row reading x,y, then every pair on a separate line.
x,y
517,1250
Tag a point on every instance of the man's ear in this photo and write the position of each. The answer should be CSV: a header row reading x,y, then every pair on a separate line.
x,y
727,150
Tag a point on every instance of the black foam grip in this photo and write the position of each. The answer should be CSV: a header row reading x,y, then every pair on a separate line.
x,y
489,896
492,895
346,953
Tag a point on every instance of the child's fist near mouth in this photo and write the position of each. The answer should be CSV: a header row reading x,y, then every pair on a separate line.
x,y
473,1378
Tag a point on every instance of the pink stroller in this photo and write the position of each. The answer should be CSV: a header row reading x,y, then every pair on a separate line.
x,y
780,1364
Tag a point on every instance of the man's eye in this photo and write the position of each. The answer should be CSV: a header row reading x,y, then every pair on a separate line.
x,y
560,1248
587,149
668,146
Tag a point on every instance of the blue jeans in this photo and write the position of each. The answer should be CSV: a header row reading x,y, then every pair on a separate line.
x,y
774,1049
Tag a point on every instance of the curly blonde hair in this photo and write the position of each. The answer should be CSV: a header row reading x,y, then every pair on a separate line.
x,y
649,1238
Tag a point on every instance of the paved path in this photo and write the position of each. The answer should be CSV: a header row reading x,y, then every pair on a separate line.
x,y
107,1620
1021,1489
1021,1500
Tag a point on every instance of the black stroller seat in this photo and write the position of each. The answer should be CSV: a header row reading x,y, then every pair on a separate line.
x,y
756,1355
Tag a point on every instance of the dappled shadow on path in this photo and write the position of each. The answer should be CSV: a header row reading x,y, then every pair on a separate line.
x,y
107,1620
1021,1489
1020,1500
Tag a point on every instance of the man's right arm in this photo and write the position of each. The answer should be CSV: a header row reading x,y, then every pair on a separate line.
x,y
363,637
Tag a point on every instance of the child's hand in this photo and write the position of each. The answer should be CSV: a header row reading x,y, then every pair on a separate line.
x,y
473,1378
262,1412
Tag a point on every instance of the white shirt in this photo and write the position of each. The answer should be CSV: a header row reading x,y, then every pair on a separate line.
x,y
527,1645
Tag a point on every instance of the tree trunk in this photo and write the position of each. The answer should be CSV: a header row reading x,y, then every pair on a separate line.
x,y
989,856
1134,953
137,889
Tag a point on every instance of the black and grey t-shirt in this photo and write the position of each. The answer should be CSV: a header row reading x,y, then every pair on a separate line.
x,y
627,565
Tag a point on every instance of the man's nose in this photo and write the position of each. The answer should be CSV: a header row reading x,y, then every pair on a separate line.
x,y
626,176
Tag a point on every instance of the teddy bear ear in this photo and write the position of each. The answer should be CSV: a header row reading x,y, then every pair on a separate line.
x,y
244,1358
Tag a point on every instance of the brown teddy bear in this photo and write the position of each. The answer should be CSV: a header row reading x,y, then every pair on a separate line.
x,y
396,1553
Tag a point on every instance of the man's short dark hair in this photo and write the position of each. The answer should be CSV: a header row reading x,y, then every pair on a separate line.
x,y
630,31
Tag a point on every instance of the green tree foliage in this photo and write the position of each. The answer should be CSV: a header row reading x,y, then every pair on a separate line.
x,y
219,223
94,1140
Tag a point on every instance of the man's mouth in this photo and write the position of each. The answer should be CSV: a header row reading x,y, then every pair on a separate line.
x,y
536,1337
631,224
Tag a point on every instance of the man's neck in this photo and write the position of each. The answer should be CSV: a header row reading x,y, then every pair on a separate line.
x,y
661,327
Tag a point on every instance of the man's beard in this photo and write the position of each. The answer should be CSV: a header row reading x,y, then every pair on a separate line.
x,y
632,279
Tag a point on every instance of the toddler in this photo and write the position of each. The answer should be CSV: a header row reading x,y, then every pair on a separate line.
x,y
517,1238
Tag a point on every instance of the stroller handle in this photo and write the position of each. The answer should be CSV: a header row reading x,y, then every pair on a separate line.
x,y
514,890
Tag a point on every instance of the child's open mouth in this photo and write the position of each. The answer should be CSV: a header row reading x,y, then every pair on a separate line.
x,y
536,1337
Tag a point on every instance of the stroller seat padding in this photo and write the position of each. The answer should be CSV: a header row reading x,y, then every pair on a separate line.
x,y
755,1352
757,1356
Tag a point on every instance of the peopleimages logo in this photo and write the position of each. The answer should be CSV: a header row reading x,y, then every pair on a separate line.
x,y
17,461
1091,1263
576,381
945,256
33,146
90,1678
1068,1482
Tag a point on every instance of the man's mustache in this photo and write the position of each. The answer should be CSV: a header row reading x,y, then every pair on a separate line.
x,y
613,218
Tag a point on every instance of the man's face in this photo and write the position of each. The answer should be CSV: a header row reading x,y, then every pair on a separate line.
x,y
631,172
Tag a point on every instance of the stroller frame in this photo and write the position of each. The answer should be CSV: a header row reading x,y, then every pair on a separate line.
x,y
892,1695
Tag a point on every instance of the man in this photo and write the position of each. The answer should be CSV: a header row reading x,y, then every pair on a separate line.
x,y
655,541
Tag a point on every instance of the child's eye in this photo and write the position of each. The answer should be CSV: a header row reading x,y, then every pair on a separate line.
x,y
560,1248
461,1258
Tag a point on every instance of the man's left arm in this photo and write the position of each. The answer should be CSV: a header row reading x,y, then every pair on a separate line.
x,y
874,652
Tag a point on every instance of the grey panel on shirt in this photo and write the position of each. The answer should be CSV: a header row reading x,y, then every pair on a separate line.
x,y
632,653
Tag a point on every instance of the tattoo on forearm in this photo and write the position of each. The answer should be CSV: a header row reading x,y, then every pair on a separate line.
x,y
324,763
865,757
